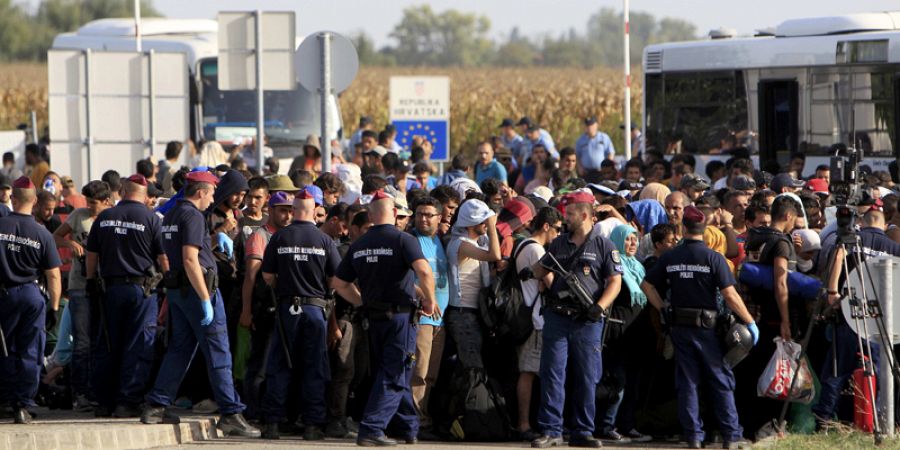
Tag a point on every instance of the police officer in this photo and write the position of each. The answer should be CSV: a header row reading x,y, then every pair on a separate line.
x,y
302,260
692,273
569,329
126,242
874,242
387,262
27,251
196,313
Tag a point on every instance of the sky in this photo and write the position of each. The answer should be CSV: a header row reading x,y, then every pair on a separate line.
x,y
533,17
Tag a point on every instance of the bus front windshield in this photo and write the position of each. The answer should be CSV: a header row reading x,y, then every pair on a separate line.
x,y
289,116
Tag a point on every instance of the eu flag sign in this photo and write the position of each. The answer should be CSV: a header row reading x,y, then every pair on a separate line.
x,y
435,131
420,106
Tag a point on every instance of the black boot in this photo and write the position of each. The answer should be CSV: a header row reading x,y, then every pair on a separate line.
x,y
376,441
158,414
236,425
271,432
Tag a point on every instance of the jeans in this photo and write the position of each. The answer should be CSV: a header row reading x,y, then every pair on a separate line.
x,y
429,349
80,312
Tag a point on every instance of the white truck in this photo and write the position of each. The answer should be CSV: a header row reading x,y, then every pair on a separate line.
x,y
111,105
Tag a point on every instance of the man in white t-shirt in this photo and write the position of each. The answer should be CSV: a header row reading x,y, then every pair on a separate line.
x,y
546,225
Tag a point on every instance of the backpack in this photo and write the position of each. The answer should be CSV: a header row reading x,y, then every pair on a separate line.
x,y
505,314
477,408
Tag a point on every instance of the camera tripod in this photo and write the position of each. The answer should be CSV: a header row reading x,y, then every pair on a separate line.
x,y
862,307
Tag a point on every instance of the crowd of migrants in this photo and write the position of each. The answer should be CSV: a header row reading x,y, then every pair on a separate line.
x,y
367,302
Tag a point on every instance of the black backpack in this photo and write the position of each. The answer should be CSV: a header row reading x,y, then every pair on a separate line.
x,y
477,408
504,313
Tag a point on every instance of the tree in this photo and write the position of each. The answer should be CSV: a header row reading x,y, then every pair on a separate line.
x,y
368,55
517,51
451,38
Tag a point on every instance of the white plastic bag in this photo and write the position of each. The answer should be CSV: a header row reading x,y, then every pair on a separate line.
x,y
779,374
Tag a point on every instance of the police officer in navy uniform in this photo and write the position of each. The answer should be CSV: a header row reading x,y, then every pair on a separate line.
x,y
27,251
691,273
844,353
569,329
124,243
387,262
196,312
299,262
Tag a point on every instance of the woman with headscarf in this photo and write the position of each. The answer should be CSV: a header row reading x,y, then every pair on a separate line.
x,y
655,191
627,344
474,244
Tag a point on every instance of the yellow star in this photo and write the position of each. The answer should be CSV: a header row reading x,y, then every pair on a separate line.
x,y
434,140
411,127
418,125
426,127
406,133
432,133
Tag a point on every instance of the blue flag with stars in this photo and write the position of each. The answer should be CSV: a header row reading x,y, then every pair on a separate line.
x,y
433,130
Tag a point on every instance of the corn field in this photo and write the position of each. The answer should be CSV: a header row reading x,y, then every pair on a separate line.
x,y
557,98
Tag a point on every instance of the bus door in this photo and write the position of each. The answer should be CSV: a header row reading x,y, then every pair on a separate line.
x,y
778,120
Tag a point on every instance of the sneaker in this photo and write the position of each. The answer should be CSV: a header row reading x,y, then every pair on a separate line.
x,y
82,404
313,433
545,441
376,441
613,436
205,407
336,429
636,436
236,425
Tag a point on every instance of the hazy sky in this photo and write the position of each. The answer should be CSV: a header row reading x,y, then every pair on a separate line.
x,y
534,17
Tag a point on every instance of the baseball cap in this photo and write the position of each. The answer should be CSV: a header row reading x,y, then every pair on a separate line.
x,y
743,183
693,214
692,180
138,179
785,180
201,177
471,213
507,122
590,120
280,198
600,189
626,185
817,185
543,192
317,194
4,182
526,121
502,152
378,150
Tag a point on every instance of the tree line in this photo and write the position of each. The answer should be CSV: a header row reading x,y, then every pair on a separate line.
x,y
423,37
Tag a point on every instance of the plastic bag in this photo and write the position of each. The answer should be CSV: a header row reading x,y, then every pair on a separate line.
x,y
777,378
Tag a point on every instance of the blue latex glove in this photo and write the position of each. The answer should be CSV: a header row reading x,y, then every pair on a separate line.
x,y
207,312
754,331
225,243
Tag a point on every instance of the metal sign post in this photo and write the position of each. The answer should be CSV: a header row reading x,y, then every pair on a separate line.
x,y
627,112
324,96
884,267
260,112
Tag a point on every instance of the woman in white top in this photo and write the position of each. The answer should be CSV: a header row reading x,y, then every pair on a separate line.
x,y
474,244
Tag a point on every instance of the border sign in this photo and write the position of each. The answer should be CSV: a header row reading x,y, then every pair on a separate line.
x,y
420,106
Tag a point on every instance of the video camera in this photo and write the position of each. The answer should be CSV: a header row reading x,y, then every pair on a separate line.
x,y
846,189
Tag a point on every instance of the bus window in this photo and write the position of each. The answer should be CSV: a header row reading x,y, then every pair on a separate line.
x,y
864,116
699,112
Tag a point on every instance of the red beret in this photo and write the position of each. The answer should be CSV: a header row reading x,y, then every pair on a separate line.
x,y
23,183
381,195
138,179
304,194
201,177
693,215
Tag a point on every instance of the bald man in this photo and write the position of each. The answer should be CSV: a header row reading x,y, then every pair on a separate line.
x,y
387,262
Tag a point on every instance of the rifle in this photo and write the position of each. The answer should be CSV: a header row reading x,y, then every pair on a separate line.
x,y
576,290
270,293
